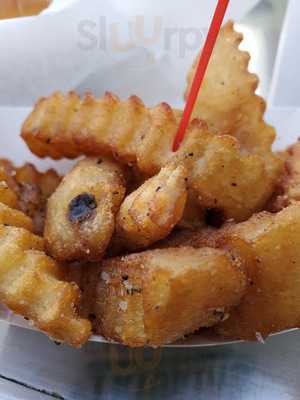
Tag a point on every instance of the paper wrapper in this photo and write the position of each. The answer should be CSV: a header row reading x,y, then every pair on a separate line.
x,y
285,89
49,52
130,46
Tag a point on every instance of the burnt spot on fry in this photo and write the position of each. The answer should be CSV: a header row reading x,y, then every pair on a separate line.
x,y
214,217
81,208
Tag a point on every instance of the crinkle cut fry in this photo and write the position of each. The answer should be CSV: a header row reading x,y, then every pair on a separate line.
x,y
7,195
67,126
228,103
27,189
34,190
8,215
98,126
7,174
8,185
227,100
31,285
30,282
12,217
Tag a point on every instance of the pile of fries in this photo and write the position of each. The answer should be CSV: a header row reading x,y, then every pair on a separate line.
x,y
145,246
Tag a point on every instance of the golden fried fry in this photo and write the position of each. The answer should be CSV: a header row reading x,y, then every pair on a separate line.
x,y
220,176
81,213
8,185
158,296
272,302
7,174
27,189
29,280
66,126
227,100
7,195
8,215
30,285
150,213
289,189
11,217
34,190
205,237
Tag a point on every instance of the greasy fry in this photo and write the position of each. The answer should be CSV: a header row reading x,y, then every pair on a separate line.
x,y
289,189
272,300
30,285
8,215
34,189
220,176
7,174
11,217
158,296
81,213
67,126
205,237
151,212
7,195
30,282
228,103
27,189
227,100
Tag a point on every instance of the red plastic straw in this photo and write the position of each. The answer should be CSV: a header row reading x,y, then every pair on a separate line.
x,y
201,70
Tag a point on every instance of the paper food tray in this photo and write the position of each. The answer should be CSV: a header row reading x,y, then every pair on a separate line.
x,y
42,54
